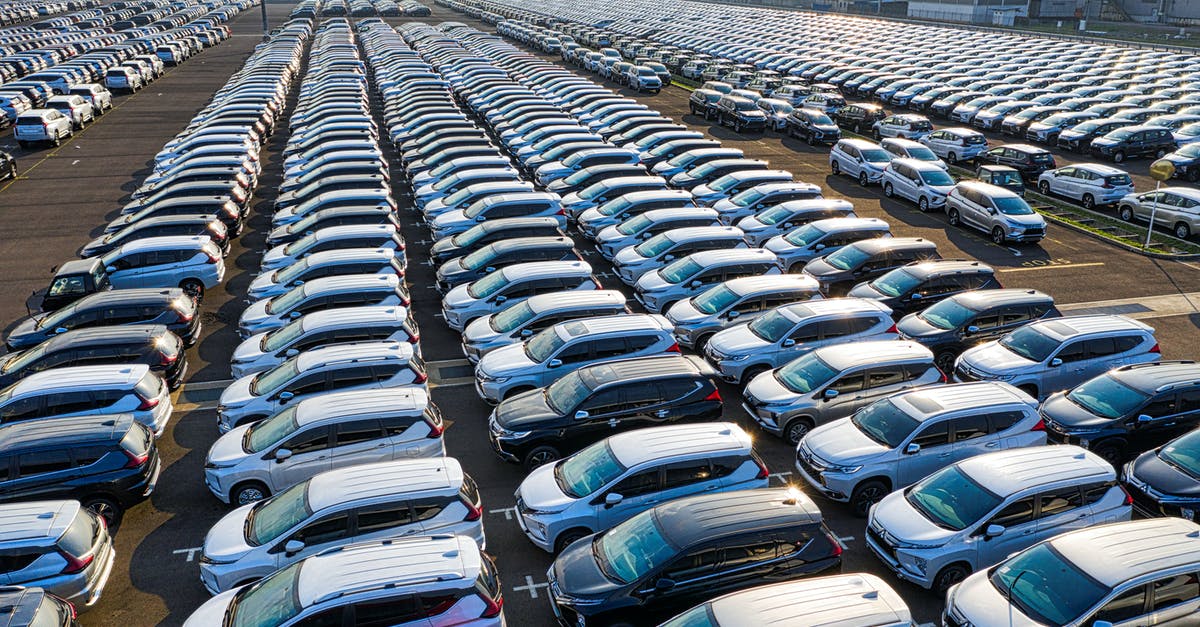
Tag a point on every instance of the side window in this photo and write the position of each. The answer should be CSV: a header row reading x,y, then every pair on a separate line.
x,y
644,482
1100,347
808,333
13,562
1015,513
883,377
935,434
69,402
1126,343
638,396
428,508
604,402
745,554
314,340
308,441
387,612
357,431
672,389
331,617
636,343
397,425
970,427
721,466
381,519
1005,419
348,377
1127,605
1159,407
1059,501
697,564
1189,401
848,383
615,347
1074,351
1014,316
328,529
575,353
21,409
681,474
1172,591
308,384
32,464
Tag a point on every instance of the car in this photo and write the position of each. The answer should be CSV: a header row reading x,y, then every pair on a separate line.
x,y
739,114
96,94
1033,356
557,350
503,253
777,112
687,276
64,549
42,125
522,320
1091,184
35,606
922,182
631,263
329,263
149,344
860,159
1186,160
911,149
194,263
171,307
106,462
365,575
1001,213
903,125
754,200
923,283
379,364
1177,208
8,165
760,227
76,108
1088,577
1079,138
736,301
812,125
858,116
977,511
956,145
1134,141
640,227
185,224
374,236
509,205
689,544
1162,481
806,242
970,318
866,259
489,231
1029,160
510,285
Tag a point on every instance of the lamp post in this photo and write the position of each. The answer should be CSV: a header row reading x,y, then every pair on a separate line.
x,y
266,28
1161,170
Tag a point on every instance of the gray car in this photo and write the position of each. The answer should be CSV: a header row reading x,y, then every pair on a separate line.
x,y
735,301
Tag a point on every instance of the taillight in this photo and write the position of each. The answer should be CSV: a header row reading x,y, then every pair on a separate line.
x,y
893,329
1155,348
474,512
436,429
945,379
562,212
166,359
599,286
714,396
148,403
136,461
837,546
414,339
674,348
421,377
184,317
212,257
493,606
1128,496
763,471
76,564
1040,426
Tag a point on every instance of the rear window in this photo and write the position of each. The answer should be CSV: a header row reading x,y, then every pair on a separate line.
x,y
137,440
469,490
30,120
78,538
149,387
488,583
1119,179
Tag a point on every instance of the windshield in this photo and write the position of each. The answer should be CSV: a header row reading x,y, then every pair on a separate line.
x,y
488,285
921,154
805,374
479,258
273,379
1036,581
1189,150
285,302
273,516
896,283
1086,127
655,246
1029,343
292,272
771,326
300,245
937,178
633,549
1191,130
566,393
819,119
1183,453
447,183
804,235
271,601
747,197
847,258
948,315
18,361
877,155
951,499
884,423
1012,206
679,270
540,347
1106,396
469,236
453,200
265,434
511,318
634,225
283,336
715,300
775,215
588,470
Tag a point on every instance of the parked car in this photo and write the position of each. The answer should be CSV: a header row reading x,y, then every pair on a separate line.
x,y
1029,160
42,125
822,237
171,307
922,182
956,144
1090,184
814,126
64,549
1134,141
1001,213
863,260
859,159
1177,208
920,284
150,344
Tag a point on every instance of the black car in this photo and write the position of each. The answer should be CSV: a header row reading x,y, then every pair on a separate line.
x,y
965,320
1127,409
739,114
227,211
1187,162
74,280
150,344
813,126
30,607
862,261
504,253
682,552
8,166
171,307
106,462
858,116
924,283
594,402
1029,160
1166,480
1079,138
1134,141
490,231
186,224
703,102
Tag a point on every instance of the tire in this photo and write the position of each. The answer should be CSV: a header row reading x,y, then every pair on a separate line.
x,y
1089,201
865,495
796,429
193,287
1182,230
923,204
737,126
836,167
952,218
1126,213
812,140
1118,156
1029,389
57,141
1113,451
998,236
1044,187
667,307
945,361
863,179
1158,154
106,508
949,576
1193,175
540,455
568,537
701,342
888,191
749,374
248,492
952,157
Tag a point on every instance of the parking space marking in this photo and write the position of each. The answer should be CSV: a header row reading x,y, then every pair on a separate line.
x,y
844,541
191,552
531,587
781,476
1052,266
507,511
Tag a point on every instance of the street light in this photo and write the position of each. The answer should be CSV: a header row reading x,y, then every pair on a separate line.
x,y
1161,170
266,28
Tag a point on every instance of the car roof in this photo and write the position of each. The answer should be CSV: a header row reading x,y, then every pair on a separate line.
x,y
19,605
354,316
731,255
861,144
41,521
1071,326
843,356
521,197
987,189
834,306
1007,472
936,267
982,299
1188,192
63,431
1124,551
843,223
349,282
1159,376
918,164
501,224
533,269
639,368
347,255
106,335
639,446
690,233
355,352
772,282
575,299
1024,147
345,405
382,479
386,564
82,377
536,242
164,242
692,520
929,402
1106,170
607,324
878,244
852,600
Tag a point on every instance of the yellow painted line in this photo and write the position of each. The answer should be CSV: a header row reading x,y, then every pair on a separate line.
x,y
1054,266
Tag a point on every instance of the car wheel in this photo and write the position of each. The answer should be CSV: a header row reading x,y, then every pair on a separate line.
x,y
1044,187
737,126
998,236
57,141
1193,174
945,361
952,217
1126,214
1158,154
1182,230
865,495
749,374
863,180
1089,201
878,135
569,537
952,158
248,492
106,508
1118,156
950,576
702,341
888,191
1113,451
540,456
796,430
193,287
812,140
12,172
836,167
923,204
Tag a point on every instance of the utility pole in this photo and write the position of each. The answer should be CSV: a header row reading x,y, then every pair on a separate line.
x,y
266,28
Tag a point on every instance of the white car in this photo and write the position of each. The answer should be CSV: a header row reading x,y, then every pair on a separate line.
x,y
1092,184
859,159
922,182
904,126
956,144
42,125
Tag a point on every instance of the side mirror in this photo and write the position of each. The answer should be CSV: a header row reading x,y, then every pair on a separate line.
x,y
912,449
490,269
916,296
554,363
286,396
992,210
283,454
733,314
1143,419
830,394
110,269
664,584
291,352
972,329
612,499
501,298
818,246
1056,362
297,282
294,315
789,343
526,333
581,414
480,218
293,547
695,283
60,330
993,531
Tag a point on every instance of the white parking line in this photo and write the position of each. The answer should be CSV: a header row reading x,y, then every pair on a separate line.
x,y
531,587
507,511
191,552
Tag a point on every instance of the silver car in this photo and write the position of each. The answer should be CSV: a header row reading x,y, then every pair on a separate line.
x,y
822,237
994,210
736,301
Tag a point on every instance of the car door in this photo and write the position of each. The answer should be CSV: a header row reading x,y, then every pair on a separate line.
x,y
317,535
936,452
882,381
598,416
639,491
972,435
125,271
1068,373
39,475
1175,599
848,398
1020,529
360,442
308,453
1102,356
1063,181
161,268
1061,510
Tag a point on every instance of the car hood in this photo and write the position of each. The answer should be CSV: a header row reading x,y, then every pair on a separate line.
x,y
841,443
451,218
903,522
1163,477
737,340
27,327
1070,134
684,312
578,574
994,358
1105,141
701,191
250,349
227,450
504,361
628,256
725,205
651,282
237,393
262,282
819,268
479,330
986,606
540,491
751,223
767,389
255,312
226,540
458,297
1027,220
914,327
212,611
525,411
1061,410
864,290
274,257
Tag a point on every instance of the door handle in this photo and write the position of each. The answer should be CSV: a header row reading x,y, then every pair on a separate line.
x,y
943,455
991,445
711,487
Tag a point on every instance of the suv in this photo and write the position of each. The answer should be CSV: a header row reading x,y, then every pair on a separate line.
x,y
739,113
1091,184
490,231
687,276
171,307
736,301
428,579
741,352
631,263
924,283
521,321
703,102
357,503
1163,481
350,290
194,263
567,346
109,462
995,210
783,217
803,244
42,125
694,458
858,117
911,149
922,182
867,259
1128,409
1093,576
96,94
1029,160
87,391
338,262
150,344
973,514
333,238
79,110
513,284
27,607
613,239
1125,142
971,318
504,253
813,126
834,381
252,462
1178,207
58,546
860,159
902,126
1049,355
956,144
355,366
754,200
688,550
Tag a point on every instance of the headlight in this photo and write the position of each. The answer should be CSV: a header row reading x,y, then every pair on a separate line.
x,y
512,435
577,602
738,357
222,409
846,470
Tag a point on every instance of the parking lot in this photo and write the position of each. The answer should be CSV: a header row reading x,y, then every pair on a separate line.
x,y
63,192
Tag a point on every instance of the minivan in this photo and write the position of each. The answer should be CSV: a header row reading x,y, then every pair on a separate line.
x,y
357,503
921,182
834,381
812,239
866,260
193,263
58,546
490,231
923,283
328,263
540,426
87,391
350,290
734,302
510,285
521,321
859,159
150,344
503,253
171,307
999,212
375,236
631,263
687,276
956,144
634,230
